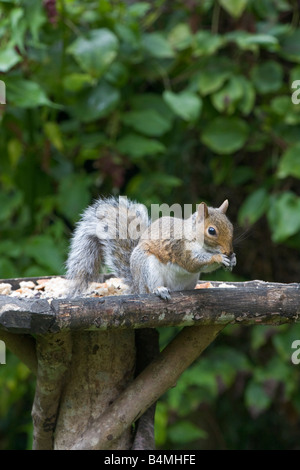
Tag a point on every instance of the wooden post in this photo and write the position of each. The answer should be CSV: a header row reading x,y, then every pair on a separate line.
x,y
102,366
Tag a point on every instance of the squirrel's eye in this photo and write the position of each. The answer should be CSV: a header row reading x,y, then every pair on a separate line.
x,y
212,231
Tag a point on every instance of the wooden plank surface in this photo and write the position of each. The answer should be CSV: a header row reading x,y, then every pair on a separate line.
x,y
254,302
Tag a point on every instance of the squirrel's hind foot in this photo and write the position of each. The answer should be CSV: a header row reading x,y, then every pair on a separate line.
x,y
162,292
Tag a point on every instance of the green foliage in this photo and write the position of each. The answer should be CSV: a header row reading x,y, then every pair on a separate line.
x,y
256,384
17,391
284,216
186,104
26,93
165,101
95,51
289,164
234,7
225,135
267,77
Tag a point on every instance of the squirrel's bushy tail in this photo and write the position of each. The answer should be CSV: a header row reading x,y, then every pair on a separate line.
x,y
106,234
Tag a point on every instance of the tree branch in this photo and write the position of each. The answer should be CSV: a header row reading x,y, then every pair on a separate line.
x,y
160,375
254,302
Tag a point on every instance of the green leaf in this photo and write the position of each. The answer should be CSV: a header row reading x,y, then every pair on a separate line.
x,y
139,9
117,74
44,250
95,51
234,7
9,203
241,175
281,105
96,103
148,122
152,183
8,58
278,368
184,432
226,99
213,75
130,39
170,181
256,398
26,94
186,104
138,146
180,37
290,46
225,135
289,112
254,207
265,40
161,423
289,164
36,17
77,81
252,42
247,100
15,150
206,43
53,133
284,216
157,46
73,195
7,268
267,77
154,101
10,248
259,336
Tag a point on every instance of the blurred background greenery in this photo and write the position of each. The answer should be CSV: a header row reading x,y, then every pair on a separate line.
x,y
163,101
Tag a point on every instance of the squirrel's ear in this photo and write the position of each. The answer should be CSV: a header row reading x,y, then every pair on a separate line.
x,y
223,207
202,211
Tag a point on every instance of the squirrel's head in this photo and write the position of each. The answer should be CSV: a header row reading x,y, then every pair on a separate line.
x,y
218,230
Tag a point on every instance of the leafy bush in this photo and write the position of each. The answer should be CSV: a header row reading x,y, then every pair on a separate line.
x,y
17,390
164,101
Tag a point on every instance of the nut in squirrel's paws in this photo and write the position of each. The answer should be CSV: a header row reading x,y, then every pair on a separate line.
x,y
162,292
228,262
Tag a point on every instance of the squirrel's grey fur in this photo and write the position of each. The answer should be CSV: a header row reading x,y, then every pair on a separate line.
x,y
97,241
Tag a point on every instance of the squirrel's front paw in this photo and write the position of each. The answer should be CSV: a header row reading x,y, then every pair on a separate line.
x,y
226,262
229,262
233,260
162,292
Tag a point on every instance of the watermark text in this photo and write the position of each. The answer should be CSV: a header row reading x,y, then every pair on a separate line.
x,y
296,94
123,220
295,357
2,352
2,92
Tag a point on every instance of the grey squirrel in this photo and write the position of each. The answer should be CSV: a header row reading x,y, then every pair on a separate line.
x,y
166,255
